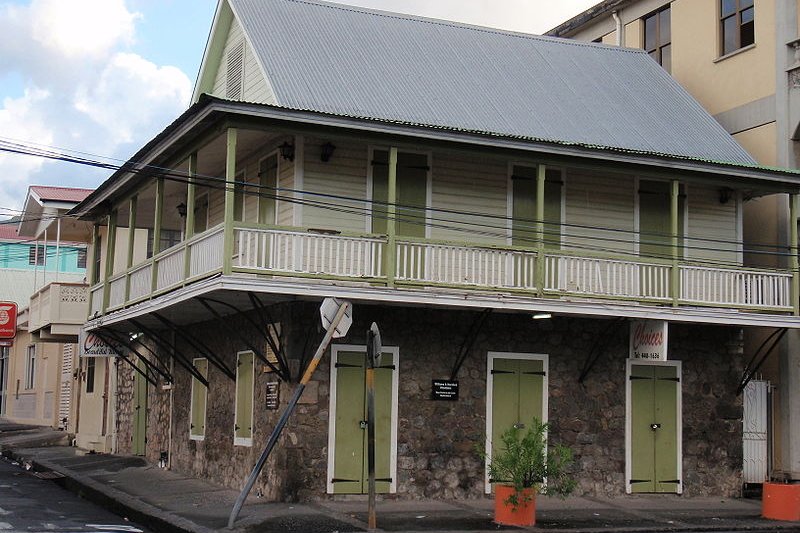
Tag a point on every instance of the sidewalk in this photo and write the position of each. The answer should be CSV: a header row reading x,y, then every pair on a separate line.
x,y
164,500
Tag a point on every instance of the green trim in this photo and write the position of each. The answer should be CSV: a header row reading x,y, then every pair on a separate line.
x,y
189,233
674,213
305,275
110,249
230,198
793,261
391,220
131,240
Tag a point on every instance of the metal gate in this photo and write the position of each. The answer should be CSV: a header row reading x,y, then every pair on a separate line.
x,y
755,431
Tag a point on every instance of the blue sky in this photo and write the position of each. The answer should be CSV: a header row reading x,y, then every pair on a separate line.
x,y
102,77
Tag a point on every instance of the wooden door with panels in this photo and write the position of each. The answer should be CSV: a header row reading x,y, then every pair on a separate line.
x,y
347,441
517,392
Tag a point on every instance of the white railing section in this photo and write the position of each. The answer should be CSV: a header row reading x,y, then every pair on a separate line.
x,y
746,288
141,281
309,253
206,252
116,296
606,277
465,265
97,299
170,268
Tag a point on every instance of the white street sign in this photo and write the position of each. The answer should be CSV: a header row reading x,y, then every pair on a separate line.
x,y
328,310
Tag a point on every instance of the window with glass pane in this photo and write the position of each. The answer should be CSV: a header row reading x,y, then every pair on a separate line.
x,y
658,37
737,24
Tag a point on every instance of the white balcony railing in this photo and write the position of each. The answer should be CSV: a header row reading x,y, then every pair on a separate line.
x,y
606,277
170,267
141,281
309,253
58,303
736,288
116,295
465,265
206,252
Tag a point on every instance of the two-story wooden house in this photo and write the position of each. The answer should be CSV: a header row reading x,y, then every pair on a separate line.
x,y
554,225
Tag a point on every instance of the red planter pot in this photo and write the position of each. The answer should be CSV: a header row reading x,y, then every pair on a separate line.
x,y
523,514
781,501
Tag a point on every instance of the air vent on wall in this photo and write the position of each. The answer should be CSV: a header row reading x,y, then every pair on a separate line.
x,y
235,73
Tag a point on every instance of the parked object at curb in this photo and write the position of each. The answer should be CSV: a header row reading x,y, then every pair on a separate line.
x,y
781,501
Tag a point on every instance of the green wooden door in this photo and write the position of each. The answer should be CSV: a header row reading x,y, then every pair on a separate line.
x,y
654,428
517,394
412,192
655,229
197,424
139,437
350,449
523,227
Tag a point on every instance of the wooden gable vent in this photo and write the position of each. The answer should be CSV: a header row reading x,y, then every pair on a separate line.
x,y
235,72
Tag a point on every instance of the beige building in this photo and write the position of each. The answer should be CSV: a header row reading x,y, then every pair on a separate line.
x,y
738,58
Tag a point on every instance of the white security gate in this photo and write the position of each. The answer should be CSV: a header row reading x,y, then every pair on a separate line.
x,y
65,393
755,431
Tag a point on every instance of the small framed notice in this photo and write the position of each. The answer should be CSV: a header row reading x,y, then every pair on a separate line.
x,y
444,390
273,395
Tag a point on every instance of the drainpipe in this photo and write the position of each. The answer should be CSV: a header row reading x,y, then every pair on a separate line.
x,y
620,28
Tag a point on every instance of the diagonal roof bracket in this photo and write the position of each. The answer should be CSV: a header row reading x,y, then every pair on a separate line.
x,y
270,331
198,345
120,339
281,371
750,369
599,347
178,356
144,373
469,341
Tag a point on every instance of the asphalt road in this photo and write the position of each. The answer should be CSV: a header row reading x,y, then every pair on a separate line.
x,y
32,505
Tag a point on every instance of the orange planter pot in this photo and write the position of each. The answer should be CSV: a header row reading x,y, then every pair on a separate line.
x,y
523,514
781,501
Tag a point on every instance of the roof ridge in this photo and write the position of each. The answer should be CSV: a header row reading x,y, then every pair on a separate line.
x,y
462,25
63,187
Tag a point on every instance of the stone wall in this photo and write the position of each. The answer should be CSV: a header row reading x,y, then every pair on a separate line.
x,y
437,455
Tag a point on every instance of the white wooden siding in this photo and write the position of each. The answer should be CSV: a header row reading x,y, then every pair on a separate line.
x,y
255,86
711,226
345,174
595,201
285,182
472,184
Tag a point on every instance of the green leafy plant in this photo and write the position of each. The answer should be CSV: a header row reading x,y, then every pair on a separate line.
x,y
523,459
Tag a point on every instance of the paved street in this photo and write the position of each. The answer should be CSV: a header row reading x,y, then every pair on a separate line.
x,y
31,504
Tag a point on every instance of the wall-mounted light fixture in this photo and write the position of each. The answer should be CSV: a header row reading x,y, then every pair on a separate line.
x,y
181,207
327,152
725,194
287,151
541,316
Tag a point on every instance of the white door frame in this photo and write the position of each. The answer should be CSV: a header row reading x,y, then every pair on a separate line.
x,y
490,389
335,349
679,417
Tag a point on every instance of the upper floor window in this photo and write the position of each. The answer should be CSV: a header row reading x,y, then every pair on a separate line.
x,y
81,258
36,255
737,24
30,367
658,38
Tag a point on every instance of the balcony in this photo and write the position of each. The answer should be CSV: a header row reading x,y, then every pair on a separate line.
x,y
57,311
313,256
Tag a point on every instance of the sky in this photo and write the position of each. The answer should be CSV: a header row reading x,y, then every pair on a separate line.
x,y
100,78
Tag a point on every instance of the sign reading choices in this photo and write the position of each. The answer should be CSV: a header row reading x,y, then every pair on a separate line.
x,y
8,320
90,345
649,340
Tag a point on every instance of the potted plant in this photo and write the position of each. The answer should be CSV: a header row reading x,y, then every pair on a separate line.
x,y
522,465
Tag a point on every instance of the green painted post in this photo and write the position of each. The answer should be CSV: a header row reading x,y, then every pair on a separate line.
x,y
391,220
230,197
541,174
157,231
793,260
131,237
112,236
94,273
189,231
674,224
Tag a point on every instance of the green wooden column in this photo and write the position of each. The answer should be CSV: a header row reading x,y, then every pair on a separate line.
x,y
157,230
230,181
109,271
94,275
131,237
391,220
793,261
189,230
541,174
674,225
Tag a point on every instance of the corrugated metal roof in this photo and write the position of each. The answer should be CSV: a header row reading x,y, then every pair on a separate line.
x,y
60,194
357,62
9,231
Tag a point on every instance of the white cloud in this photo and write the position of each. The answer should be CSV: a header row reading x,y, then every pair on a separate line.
x,y
92,94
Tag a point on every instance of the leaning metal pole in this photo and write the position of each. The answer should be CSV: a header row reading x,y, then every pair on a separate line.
x,y
273,438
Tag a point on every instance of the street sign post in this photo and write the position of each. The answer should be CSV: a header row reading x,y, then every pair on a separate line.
x,y
374,352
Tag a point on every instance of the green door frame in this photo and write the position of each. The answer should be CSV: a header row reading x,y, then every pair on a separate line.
x,y
628,419
335,349
139,434
491,356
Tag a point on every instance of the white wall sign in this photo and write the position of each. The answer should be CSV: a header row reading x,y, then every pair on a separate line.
x,y
90,345
648,340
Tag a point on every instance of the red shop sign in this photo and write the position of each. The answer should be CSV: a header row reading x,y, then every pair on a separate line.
x,y
8,320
